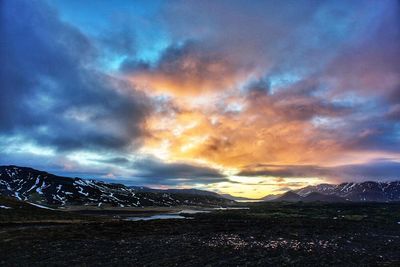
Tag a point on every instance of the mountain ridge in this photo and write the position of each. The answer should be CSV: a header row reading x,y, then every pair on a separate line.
x,y
47,188
28,184
368,191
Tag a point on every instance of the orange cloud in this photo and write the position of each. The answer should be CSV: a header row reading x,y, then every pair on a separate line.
x,y
187,70
264,132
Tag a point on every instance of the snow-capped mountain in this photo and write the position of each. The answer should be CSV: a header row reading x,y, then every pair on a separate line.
x,y
365,191
41,187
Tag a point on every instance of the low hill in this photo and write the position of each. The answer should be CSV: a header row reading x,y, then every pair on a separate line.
x,y
315,196
16,211
186,191
289,196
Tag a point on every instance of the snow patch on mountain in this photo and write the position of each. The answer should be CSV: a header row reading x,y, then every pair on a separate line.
x,y
44,188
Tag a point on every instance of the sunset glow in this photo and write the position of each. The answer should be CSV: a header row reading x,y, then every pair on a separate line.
x,y
242,99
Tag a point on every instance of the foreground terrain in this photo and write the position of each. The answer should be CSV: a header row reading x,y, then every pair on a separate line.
x,y
316,234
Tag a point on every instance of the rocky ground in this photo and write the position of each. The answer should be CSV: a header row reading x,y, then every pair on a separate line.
x,y
275,234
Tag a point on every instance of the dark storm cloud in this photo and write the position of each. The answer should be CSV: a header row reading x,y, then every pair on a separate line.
x,y
154,169
50,92
115,160
370,131
149,170
261,86
284,171
380,169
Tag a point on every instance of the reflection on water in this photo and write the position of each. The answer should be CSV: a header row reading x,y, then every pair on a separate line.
x,y
249,200
157,217
178,215
164,216
232,208
193,211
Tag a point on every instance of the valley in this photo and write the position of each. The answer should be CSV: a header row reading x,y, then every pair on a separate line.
x,y
61,221
278,234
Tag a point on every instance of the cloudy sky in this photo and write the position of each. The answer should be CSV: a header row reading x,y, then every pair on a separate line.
x,y
240,97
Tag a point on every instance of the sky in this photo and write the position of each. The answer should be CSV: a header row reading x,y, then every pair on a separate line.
x,y
242,97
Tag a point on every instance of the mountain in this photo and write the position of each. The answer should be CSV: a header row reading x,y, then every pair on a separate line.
x,y
315,196
189,191
357,192
364,191
235,198
321,188
40,187
270,197
289,196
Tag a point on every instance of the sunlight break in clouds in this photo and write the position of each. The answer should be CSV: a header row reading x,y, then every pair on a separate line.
x,y
241,98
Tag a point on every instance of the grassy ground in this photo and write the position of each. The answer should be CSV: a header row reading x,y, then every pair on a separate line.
x,y
17,212
274,234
